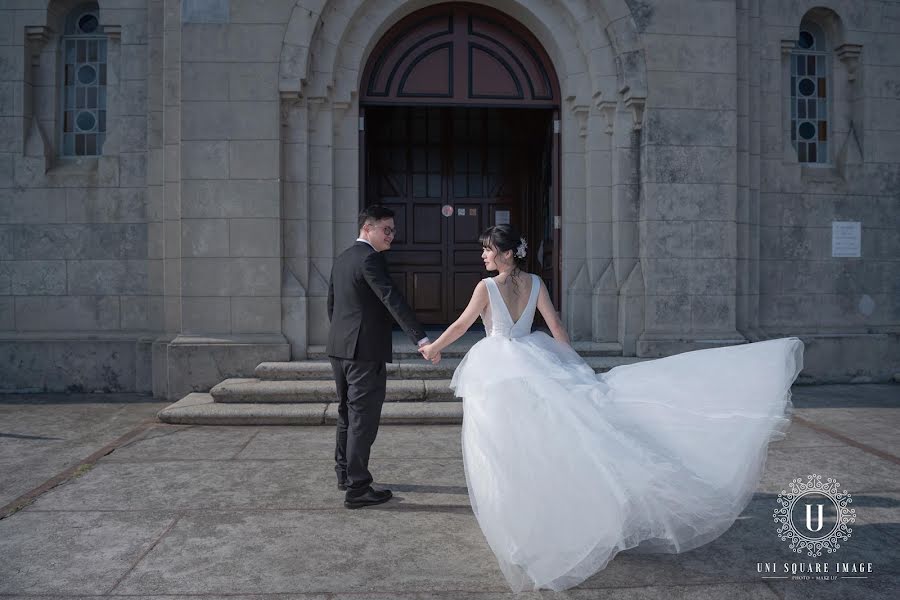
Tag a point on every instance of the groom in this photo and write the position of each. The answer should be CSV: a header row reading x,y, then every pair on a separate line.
x,y
362,300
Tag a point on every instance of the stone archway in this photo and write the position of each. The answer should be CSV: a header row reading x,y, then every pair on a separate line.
x,y
594,48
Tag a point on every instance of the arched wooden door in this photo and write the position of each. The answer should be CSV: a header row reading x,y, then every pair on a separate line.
x,y
458,132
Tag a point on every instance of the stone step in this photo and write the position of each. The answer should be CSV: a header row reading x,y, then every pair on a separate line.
x,y
201,409
322,390
405,350
415,368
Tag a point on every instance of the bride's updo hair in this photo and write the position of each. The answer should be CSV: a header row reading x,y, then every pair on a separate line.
x,y
503,237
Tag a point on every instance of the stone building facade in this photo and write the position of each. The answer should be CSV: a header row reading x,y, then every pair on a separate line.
x,y
176,177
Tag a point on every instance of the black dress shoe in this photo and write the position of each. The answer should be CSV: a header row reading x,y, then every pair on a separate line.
x,y
369,497
342,485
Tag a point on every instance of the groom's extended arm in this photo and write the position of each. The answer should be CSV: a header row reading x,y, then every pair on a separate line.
x,y
376,274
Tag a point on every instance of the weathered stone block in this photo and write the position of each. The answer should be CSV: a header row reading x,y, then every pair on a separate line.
x,y
100,240
33,206
6,277
690,53
667,275
67,313
691,127
689,201
7,312
261,11
679,164
256,315
197,366
666,239
37,277
6,242
254,237
204,81
106,205
805,242
133,98
671,313
230,199
204,237
257,159
206,276
252,81
204,11
714,239
209,315
255,276
788,311
142,313
133,169
67,366
107,277
713,276
713,313
204,160
230,120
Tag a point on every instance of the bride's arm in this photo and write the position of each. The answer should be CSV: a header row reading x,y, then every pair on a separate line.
x,y
551,317
476,305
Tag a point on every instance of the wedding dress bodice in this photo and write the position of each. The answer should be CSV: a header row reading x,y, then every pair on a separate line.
x,y
496,317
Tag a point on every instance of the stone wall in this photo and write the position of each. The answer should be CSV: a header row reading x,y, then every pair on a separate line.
x,y
205,233
846,309
79,300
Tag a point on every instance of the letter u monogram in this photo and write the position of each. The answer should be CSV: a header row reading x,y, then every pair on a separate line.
x,y
809,517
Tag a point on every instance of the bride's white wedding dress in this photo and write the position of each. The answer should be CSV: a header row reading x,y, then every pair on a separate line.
x,y
566,468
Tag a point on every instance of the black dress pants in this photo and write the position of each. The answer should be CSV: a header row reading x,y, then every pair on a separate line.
x,y
361,387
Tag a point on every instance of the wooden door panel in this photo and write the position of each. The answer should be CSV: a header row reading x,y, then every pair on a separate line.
x,y
428,295
478,161
466,223
428,227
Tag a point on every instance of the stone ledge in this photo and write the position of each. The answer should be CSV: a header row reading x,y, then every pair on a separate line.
x,y
201,409
413,368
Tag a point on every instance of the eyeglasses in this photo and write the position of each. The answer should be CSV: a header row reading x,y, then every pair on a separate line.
x,y
387,230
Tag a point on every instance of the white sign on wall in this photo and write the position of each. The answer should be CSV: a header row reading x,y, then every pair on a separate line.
x,y
846,239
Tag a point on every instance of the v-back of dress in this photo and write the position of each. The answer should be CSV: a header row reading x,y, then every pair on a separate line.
x,y
497,318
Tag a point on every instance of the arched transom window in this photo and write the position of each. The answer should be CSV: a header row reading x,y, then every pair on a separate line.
x,y
809,95
84,83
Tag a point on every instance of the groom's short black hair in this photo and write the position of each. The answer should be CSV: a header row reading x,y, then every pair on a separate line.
x,y
375,212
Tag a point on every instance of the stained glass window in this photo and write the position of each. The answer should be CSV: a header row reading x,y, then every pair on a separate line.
x,y
84,84
809,95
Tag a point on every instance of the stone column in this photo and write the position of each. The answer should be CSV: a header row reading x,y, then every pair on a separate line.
x,y
226,195
690,178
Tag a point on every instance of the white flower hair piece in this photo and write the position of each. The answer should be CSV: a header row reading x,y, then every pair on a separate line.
x,y
521,248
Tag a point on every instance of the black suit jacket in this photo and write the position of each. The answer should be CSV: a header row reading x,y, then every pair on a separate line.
x,y
362,300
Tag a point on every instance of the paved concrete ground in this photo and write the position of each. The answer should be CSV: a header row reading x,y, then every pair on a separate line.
x,y
240,512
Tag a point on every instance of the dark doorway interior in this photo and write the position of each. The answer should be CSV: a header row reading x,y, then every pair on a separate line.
x,y
449,173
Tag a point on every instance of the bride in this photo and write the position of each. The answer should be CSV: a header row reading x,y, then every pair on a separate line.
x,y
566,468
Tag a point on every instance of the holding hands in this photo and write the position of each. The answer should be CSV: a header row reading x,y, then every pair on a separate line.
x,y
428,352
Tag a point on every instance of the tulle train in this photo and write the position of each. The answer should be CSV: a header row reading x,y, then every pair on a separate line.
x,y
566,468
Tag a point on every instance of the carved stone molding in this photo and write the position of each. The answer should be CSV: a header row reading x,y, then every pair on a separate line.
x,y
37,34
788,46
581,112
113,32
607,111
849,55
636,105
